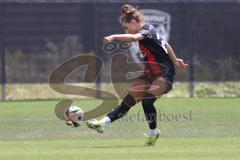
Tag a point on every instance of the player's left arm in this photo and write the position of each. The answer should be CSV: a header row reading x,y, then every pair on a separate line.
x,y
123,37
177,61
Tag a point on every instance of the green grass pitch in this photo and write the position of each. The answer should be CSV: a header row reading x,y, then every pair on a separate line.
x,y
204,129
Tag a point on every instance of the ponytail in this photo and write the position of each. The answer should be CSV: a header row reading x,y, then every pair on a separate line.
x,y
129,13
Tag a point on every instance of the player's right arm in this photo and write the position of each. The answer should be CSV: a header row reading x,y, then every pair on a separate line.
x,y
123,37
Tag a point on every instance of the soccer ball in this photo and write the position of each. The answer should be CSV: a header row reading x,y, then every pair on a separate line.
x,y
74,116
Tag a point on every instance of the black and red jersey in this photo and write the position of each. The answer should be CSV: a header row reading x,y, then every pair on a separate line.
x,y
154,52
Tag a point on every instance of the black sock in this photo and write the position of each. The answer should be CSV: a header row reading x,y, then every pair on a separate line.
x,y
122,109
149,110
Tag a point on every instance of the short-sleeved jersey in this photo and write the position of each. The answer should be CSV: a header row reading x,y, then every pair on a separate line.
x,y
154,52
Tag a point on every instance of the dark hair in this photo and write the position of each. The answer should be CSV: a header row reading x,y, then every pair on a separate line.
x,y
129,13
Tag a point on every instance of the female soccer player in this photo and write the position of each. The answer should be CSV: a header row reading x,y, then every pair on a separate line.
x,y
157,77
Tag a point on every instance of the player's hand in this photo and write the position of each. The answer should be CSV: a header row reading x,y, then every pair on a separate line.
x,y
108,39
181,64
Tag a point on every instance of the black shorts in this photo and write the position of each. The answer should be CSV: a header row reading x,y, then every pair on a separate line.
x,y
167,77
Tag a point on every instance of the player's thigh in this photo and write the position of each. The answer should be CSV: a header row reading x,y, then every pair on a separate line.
x,y
158,87
139,89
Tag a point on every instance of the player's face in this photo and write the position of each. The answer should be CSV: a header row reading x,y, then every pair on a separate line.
x,y
131,27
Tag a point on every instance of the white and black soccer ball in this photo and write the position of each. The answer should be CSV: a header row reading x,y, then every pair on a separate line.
x,y
74,116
